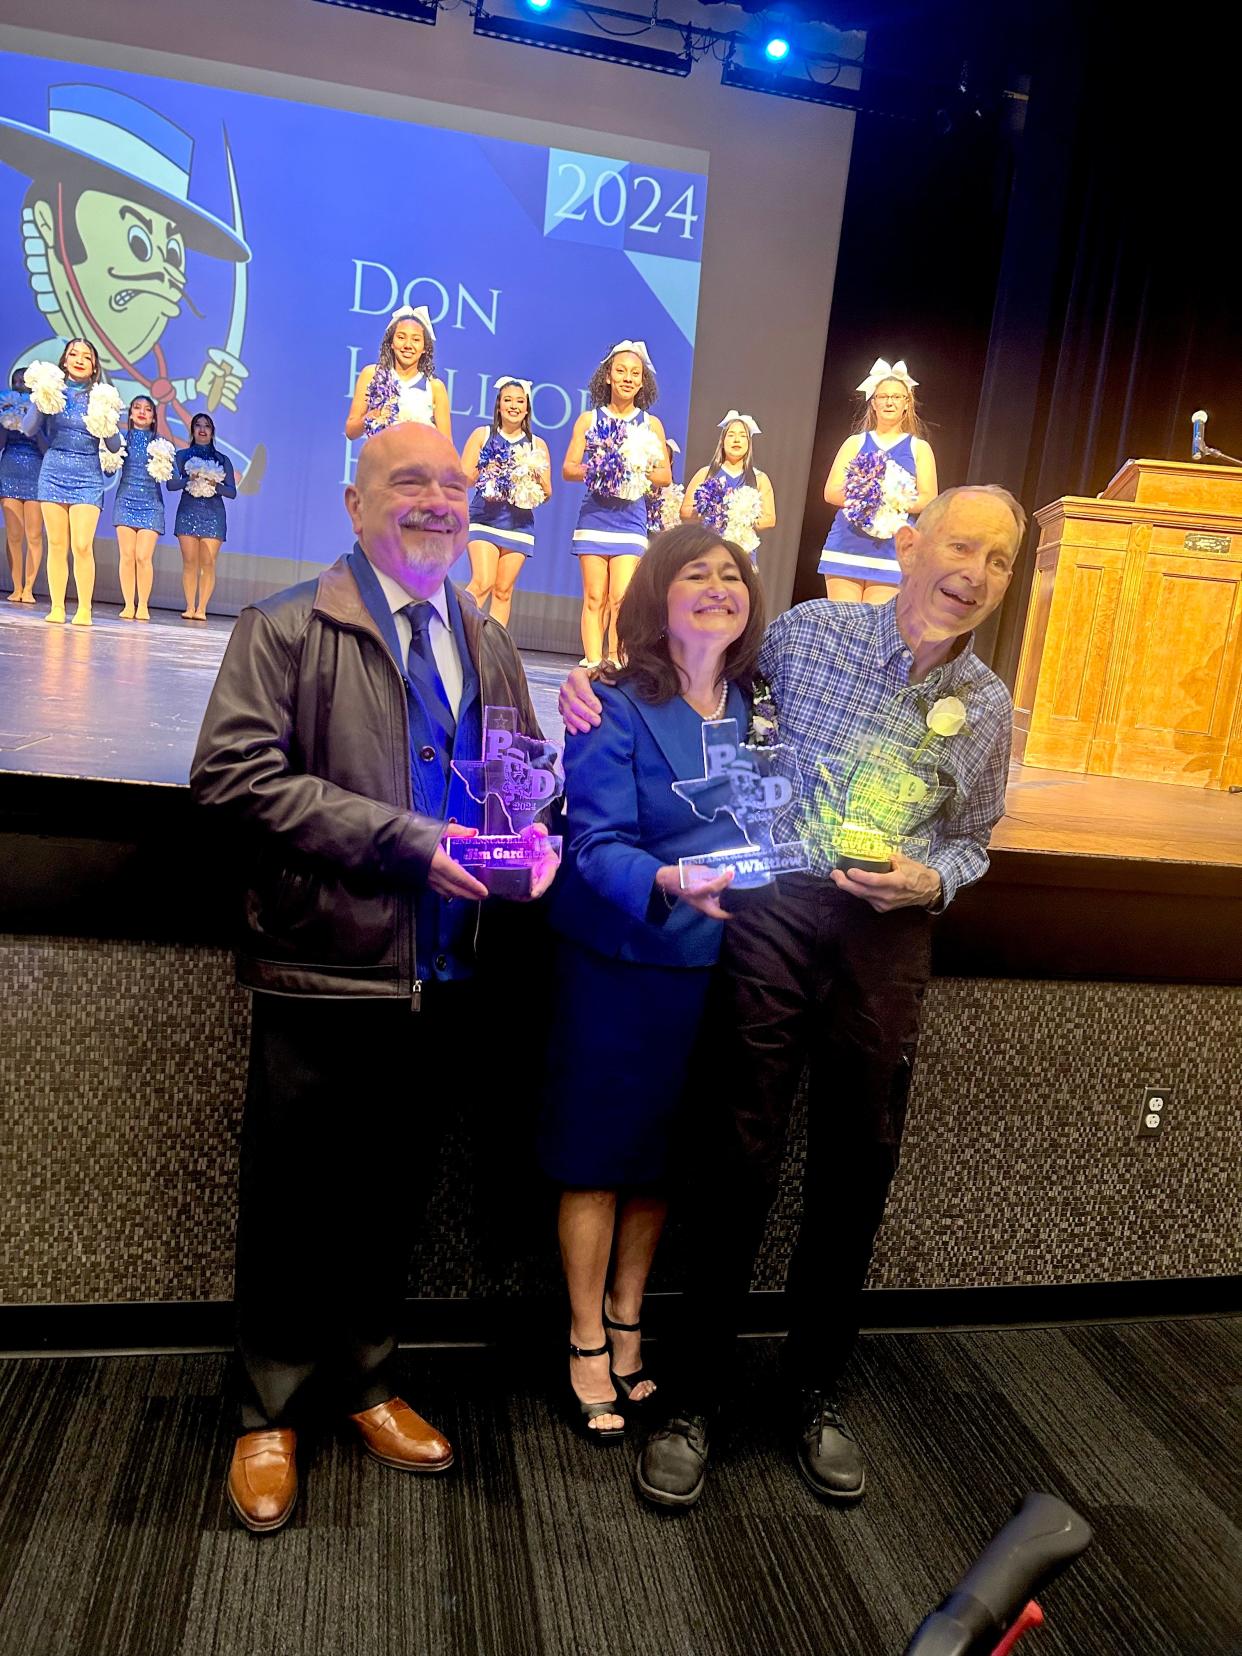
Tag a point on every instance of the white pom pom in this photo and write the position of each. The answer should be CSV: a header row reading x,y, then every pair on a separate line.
x,y
103,411
161,457
46,385
108,460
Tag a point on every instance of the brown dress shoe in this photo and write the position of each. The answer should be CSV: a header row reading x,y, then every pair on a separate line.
x,y
263,1479
394,1434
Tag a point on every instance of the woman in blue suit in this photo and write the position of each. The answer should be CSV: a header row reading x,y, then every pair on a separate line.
x,y
634,951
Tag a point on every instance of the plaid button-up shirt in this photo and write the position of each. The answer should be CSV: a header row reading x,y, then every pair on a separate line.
x,y
840,680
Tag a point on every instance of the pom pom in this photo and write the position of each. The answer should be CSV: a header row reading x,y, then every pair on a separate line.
x,y
161,458
109,461
711,502
46,385
743,512
878,493
13,407
103,412
618,458
525,486
664,508
203,478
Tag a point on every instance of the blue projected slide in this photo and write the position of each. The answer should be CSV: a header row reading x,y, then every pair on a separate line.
x,y
223,247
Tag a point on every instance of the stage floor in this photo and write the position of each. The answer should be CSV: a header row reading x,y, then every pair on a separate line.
x,y
122,701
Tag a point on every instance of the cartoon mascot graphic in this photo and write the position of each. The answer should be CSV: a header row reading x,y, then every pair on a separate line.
x,y
107,225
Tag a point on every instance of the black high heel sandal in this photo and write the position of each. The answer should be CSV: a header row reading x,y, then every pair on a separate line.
x,y
582,1414
625,1383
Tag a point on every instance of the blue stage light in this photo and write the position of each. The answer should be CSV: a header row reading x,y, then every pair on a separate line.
x,y
539,5
776,49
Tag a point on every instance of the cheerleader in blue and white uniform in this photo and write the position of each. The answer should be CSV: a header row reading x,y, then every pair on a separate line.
x,y
20,459
502,527
201,525
71,476
859,562
611,534
138,510
402,384
710,491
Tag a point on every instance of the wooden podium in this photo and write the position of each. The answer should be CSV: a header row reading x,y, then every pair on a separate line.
x,y
1131,658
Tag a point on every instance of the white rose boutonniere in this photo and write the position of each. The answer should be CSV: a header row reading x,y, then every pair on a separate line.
x,y
945,717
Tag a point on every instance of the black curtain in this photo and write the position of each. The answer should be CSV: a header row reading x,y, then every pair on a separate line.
x,y
1103,230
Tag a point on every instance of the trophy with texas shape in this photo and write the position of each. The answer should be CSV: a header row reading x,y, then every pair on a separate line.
x,y
753,785
516,778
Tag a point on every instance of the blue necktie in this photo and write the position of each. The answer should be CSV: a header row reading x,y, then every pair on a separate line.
x,y
424,675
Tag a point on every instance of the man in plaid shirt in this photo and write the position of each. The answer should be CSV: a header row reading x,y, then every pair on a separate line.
x,y
829,969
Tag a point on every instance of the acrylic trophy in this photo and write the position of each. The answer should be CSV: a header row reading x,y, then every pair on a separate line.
x,y
753,785
516,778
875,805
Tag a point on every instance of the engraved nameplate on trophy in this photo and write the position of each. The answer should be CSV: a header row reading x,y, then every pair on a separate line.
x,y
752,785
515,778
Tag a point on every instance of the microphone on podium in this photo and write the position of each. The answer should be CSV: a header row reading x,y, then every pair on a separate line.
x,y
1199,449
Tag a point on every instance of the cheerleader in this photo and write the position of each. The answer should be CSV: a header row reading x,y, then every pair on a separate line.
x,y
204,477
20,459
882,477
513,471
79,417
617,450
731,495
138,510
402,384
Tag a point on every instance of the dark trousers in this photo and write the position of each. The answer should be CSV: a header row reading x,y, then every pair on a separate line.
x,y
345,1107
809,976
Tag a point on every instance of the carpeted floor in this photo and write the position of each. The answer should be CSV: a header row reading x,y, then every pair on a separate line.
x,y
115,1539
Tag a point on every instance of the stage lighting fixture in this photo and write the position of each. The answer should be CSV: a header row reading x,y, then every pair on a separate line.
x,y
776,49
408,11
604,49
539,5
804,87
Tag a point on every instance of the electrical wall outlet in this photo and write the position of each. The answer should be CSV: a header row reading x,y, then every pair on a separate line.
x,y
1154,1112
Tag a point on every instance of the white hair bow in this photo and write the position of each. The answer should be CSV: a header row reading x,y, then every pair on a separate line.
x,y
413,313
671,446
639,348
744,419
512,379
880,371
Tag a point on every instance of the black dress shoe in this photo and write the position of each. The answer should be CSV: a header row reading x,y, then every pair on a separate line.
x,y
827,1456
672,1467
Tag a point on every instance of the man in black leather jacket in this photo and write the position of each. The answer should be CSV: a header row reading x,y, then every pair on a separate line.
x,y
328,743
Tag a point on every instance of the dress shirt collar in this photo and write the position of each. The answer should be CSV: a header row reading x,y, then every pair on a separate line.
x,y
397,597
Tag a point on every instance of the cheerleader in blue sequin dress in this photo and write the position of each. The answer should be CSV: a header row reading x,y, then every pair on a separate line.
x,y
617,450
513,473
20,460
731,495
138,510
71,476
204,477
882,477
402,384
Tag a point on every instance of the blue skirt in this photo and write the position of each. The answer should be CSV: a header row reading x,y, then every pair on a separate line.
x,y
611,528
858,557
511,528
19,468
200,517
139,503
70,474
617,1065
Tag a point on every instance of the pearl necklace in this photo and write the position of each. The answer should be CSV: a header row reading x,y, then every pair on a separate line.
x,y
721,704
